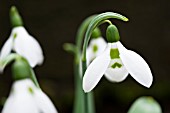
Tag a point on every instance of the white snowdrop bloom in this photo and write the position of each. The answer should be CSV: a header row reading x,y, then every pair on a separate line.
x,y
25,97
95,48
23,44
116,62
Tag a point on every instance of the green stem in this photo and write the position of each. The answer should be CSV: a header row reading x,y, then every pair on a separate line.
x,y
81,32
81,100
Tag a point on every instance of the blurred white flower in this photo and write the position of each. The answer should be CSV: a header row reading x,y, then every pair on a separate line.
x,y
25,45
95,48
25,97
116,62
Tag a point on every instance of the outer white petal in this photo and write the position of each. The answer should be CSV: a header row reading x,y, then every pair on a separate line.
x,y
89,55
136,66
28,47
116,74
43,102
6,49
96,70
20,99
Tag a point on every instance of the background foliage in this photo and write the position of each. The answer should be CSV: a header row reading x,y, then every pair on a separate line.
x,y
54,22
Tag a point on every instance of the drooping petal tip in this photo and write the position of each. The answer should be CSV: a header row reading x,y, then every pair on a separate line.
x,y
136,66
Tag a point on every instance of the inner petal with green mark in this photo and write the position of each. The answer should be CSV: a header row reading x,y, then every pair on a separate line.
x,y
30,90
95,48
116,65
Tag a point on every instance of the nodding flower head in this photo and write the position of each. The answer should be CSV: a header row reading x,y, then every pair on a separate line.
x,y
116,62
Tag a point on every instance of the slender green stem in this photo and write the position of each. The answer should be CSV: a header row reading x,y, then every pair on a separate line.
x,y
81,100
81,32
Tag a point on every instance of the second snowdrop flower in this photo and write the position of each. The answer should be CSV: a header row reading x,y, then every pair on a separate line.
x,y
21,42
116,62
95,48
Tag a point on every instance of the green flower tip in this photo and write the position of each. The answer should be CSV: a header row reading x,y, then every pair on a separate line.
x,y
112,34
15,18
126,19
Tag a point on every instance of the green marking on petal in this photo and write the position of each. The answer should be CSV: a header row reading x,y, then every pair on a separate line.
x,y
95,48
114,53
30,90
116,65
15,35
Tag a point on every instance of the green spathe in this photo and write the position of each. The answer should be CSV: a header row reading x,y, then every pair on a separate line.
x,y
112,34
15,18
145,105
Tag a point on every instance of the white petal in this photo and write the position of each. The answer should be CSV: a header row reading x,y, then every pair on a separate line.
x,y
136,66
96,70
116,74
29,48
6,49
89,55
43,102
20,99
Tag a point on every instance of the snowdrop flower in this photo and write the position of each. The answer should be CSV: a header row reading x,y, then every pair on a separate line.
x,y
96,47
21,42
25,97
25,45
116,62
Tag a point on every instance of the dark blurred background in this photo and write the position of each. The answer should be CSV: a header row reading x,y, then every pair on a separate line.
x,y
54,22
